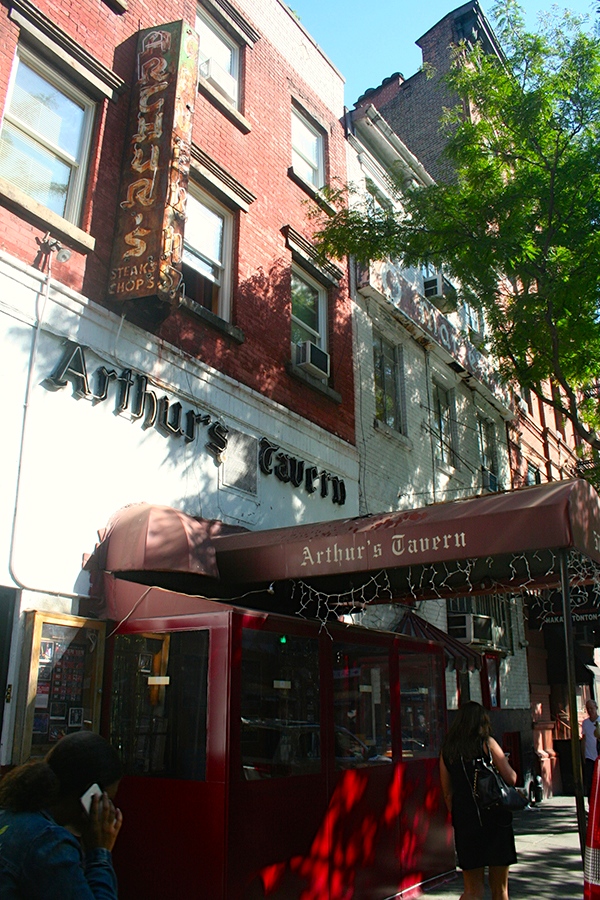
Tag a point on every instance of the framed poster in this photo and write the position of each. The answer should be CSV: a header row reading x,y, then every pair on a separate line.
x,y
59,690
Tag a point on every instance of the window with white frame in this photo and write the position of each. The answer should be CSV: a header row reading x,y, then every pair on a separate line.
x,y
219,58
207,249
486,432
444,423
309,311
389,383
307,150
46,136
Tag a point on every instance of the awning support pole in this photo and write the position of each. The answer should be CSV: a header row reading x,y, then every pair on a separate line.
x,y
571,687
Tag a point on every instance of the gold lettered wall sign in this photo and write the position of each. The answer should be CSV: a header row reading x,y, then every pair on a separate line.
x,y
146,260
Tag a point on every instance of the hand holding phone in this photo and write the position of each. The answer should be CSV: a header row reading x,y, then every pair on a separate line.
x,y
86,799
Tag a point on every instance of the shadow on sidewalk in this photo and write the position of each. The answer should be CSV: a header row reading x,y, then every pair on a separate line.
x,y
549,866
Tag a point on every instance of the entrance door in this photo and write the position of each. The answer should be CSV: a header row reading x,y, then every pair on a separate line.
x,y
7,611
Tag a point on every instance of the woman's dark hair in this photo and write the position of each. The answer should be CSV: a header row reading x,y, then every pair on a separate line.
x,y
470,727
76,762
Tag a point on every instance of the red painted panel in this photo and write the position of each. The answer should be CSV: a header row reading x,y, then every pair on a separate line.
x,y
172,840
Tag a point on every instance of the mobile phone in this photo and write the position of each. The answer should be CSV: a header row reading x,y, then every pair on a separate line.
x,y
86,799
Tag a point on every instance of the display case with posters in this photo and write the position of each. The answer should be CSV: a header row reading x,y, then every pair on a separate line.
x,y
61,681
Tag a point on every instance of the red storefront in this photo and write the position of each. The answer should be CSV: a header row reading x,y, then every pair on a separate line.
x,y
274,755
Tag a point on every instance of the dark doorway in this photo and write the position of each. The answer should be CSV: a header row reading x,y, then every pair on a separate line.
x,y
7,610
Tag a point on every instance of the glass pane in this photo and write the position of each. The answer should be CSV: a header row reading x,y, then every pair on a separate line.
x,y
34,170
421,707
199,264
44,108
305,303
65,690
159,700
280,705
305,141
212,46
204,230
299,334
361,698
304,169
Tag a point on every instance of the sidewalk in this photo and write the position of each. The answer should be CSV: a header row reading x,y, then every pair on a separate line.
x,y
549,860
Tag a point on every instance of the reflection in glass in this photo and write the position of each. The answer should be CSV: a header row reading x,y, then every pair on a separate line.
x,y
280,705
159,727
361,697
421,707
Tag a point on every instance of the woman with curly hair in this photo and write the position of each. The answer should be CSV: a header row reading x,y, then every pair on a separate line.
x,y
483,838
51,848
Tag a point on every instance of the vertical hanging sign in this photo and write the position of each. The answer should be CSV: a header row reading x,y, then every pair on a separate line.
x,y
146,260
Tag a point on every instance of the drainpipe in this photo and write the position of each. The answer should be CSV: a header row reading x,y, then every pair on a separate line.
x,y
428,380
47,247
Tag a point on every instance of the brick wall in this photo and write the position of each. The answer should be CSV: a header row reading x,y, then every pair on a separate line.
x,y
258,160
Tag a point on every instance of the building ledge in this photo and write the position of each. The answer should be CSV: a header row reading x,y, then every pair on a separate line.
x,y
315,383
25,206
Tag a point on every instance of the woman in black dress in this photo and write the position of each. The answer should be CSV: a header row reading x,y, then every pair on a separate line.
x,y
482,838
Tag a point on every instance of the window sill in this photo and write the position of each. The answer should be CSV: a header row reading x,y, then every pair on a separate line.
x,y
118,6
321,386
446,468
226,108
32,211
311,190
389,432
216,322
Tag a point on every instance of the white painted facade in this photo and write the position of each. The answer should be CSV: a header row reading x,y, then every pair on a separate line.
x,y
69,461
401,469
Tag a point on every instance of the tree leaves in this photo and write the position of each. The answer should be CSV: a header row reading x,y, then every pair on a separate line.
x,y
519,226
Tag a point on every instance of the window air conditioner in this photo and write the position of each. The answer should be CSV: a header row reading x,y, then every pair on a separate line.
x,y
218,78
489,480
440,292
471,628
312,359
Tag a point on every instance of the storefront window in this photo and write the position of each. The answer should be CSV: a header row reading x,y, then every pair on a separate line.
x,y
361,698
421,705
280,705
59,691
159,698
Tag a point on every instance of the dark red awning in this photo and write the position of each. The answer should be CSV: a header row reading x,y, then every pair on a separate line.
x,y
145,537
563,514
461,655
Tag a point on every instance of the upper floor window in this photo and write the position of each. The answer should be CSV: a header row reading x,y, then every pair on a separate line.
x,y
443,414
486,431
219,58
207,249
309,313
307,151
387,361
46,136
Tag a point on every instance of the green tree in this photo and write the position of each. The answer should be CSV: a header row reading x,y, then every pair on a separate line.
x,y
518,227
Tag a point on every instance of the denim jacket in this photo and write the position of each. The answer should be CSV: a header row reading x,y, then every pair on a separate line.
x,y
40,860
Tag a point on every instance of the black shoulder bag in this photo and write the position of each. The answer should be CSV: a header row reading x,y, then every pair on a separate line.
x,y
490,791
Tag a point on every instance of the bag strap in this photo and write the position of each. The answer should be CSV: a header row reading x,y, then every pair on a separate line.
x,y
473,787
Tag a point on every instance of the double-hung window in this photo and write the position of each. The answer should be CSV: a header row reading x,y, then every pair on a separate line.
x,y
443,417
487,449
46,135
307,151
387,362
309,311
207,254
219,58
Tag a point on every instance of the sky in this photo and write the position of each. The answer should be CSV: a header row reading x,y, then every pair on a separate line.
x,y
368,41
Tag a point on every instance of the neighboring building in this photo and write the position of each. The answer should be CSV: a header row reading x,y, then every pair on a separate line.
x,y
431,426
541,445
169,333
